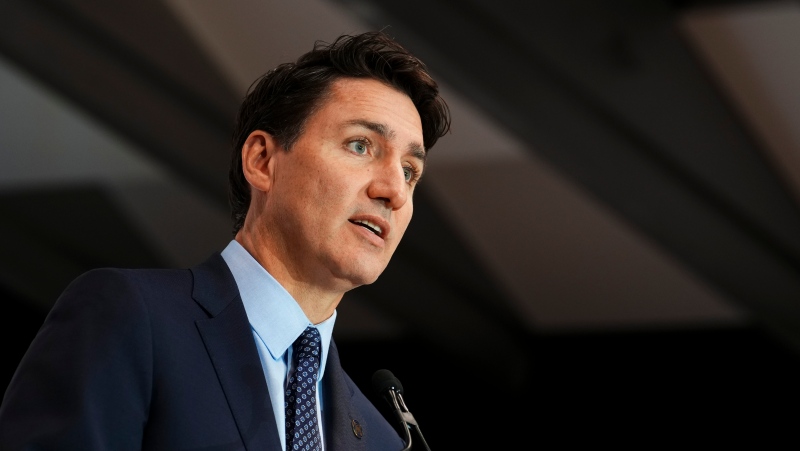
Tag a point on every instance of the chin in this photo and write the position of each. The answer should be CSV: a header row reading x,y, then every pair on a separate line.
x,y
363,279
361,274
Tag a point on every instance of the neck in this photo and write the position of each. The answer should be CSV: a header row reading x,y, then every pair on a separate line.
x,y
316,301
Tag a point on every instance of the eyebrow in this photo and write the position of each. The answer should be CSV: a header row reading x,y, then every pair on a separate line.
x,y
416,150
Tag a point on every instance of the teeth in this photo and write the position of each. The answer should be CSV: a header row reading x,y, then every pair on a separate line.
x,y
370,225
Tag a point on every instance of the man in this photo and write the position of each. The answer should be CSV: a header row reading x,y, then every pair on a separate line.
x,y
327,153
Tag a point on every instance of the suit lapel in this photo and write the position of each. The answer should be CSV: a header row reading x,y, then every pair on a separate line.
x,y
342,419
231,347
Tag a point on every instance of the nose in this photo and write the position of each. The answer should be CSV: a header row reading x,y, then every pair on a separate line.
x,y
388,185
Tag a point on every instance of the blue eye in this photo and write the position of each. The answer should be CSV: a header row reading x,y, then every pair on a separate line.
x,y
409,173
358,147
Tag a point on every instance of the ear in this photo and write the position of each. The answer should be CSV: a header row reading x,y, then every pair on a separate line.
x,y
258,162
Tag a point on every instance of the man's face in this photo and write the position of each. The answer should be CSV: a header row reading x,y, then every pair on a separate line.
x,y
342,195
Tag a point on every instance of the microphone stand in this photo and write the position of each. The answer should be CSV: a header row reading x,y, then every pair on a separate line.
x,y
406,419
386,384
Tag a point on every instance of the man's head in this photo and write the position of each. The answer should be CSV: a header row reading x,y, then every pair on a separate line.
x,y
328,151
282,100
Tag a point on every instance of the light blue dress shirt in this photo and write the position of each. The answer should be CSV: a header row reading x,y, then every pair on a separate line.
x,y
276,321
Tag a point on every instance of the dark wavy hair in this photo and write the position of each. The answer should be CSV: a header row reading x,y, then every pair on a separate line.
x,y
281,101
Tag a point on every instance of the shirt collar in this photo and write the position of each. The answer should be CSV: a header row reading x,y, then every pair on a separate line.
x,y
275,317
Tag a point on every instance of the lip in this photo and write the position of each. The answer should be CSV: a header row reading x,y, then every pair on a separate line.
x,y
377,220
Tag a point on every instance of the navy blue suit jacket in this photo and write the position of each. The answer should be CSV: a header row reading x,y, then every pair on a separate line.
x,y
163,360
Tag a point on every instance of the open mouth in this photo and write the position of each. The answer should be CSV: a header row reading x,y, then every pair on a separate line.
x,y
372,227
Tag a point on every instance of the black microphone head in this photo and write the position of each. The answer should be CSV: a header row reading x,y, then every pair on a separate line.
x,y
384,380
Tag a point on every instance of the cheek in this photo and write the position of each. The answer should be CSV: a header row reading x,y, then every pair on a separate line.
x,y
328,202
340,187
314,184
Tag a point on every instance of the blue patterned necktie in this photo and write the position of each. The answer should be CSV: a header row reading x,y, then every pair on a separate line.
x,y
302,430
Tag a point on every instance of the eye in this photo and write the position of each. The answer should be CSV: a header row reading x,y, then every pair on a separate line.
x,y
358,146
410,173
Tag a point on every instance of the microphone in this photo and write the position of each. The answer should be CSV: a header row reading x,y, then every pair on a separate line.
x,y
385,384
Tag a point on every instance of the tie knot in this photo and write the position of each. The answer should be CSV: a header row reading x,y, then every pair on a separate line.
x,y
307,344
